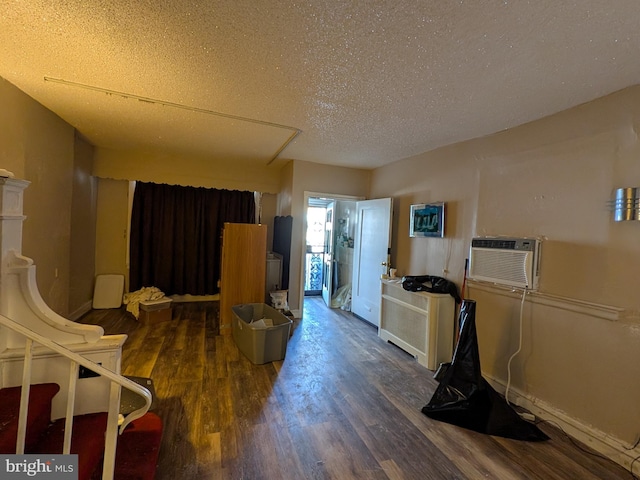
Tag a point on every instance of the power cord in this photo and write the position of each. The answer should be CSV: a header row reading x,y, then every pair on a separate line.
x,y
506,393
531,417
591,452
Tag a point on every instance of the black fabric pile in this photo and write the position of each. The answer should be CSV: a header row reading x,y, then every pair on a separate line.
x,y
464,398
430,283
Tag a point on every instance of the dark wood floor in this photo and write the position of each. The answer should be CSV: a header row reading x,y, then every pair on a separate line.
x,y
342,405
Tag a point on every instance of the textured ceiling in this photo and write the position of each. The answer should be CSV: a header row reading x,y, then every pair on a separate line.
x,y
359,83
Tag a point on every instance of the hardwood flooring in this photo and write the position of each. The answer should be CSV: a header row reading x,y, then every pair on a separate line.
x,y
342,405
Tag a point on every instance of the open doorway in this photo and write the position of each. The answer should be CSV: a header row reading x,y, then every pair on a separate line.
x,y
328,249
315,245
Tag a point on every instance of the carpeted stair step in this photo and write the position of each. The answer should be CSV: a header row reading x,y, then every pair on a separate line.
x,y
38,416
87,441
137,450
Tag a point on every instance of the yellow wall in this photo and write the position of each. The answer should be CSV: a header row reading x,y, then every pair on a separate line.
x,y
554,179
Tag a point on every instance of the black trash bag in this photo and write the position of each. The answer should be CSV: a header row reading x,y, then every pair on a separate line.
x,y
464,398
430,283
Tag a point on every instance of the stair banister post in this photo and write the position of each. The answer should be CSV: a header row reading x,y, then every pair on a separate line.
x,y
20,298
11,220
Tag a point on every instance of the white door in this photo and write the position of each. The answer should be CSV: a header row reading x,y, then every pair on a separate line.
x,y
370,256
327,261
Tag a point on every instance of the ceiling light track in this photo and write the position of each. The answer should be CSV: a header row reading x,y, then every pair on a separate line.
x,y
294,134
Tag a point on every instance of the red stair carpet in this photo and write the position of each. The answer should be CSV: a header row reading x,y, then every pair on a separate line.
x,y
137,450
87,441
38,418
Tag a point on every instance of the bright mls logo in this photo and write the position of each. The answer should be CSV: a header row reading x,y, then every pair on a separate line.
x,y
53,467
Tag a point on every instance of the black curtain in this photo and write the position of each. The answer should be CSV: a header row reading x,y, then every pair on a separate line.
x,y
176,235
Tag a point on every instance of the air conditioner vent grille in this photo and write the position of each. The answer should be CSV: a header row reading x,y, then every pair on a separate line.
x,y
488,243
505,261
502,265
506,243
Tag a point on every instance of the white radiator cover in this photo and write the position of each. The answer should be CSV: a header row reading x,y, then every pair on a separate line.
x,y
508,261
420,323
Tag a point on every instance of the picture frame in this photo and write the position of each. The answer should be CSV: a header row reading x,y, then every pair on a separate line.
x,y
427,220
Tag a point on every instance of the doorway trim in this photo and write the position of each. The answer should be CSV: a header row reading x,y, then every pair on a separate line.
x,y
307,196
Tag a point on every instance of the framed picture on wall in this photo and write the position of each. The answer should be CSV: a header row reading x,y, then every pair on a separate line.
x,y
427,220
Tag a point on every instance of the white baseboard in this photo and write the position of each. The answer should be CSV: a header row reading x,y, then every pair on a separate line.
x,y
613,448
195,298
79,312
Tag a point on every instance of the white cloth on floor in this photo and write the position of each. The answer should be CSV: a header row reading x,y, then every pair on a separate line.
x,y
132,299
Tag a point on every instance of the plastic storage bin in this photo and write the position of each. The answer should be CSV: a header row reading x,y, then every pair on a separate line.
x,y
261,332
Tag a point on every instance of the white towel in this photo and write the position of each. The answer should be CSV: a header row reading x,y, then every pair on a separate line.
x,y
132,299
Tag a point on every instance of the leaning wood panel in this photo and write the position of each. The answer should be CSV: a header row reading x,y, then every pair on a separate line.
x,y
244,264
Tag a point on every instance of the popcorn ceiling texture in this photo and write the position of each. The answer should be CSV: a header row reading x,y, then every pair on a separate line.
x,y
367,82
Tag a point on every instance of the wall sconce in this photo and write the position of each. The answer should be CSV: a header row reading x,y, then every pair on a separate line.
x,y
626,205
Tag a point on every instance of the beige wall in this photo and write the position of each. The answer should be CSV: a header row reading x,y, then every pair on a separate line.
x,y
112,226
189,171
116,168
38,146
83,230
554,179
312,177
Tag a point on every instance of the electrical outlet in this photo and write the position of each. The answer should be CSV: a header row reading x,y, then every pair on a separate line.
x,y
84,372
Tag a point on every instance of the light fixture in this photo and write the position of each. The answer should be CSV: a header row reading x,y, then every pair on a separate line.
x,y
626,205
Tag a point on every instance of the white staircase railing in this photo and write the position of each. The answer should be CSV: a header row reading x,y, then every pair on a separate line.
x,y
75,361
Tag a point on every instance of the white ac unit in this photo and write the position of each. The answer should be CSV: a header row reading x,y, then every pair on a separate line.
x,y
507,261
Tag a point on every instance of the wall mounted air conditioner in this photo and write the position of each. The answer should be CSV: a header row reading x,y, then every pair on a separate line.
x,y
513,262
